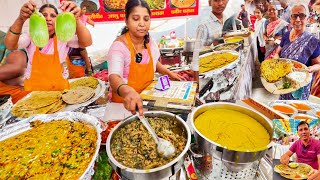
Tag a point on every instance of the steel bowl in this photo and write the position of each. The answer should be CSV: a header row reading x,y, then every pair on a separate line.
x,y
234,160
231,40
237,48
161,172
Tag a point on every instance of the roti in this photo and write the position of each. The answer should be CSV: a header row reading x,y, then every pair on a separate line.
x,y
90,82
58,106
39,99
29,113
39,102
182,3
78,95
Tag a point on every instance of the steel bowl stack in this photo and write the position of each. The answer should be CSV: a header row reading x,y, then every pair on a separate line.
x,y
161,172
235,161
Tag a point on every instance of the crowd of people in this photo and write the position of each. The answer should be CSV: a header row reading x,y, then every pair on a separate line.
x,y
285,36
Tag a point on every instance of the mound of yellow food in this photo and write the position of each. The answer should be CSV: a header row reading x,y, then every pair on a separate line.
x,y
215,61
272,70
90,82
233,130
59,149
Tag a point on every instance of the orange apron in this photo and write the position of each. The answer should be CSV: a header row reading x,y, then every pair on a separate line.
x,y
46,72
16,92
74,71
140,75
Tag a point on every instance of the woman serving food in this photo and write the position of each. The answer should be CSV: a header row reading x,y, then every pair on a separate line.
x,y
46,69
133,58
301,46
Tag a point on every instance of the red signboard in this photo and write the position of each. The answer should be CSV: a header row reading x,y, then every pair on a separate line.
x,y
113,10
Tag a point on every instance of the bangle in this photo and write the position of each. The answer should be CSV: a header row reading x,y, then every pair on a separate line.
x,y
14,32
119,88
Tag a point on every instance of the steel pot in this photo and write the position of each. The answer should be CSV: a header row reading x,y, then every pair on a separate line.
x,y
237,48
161,172
233,160
189,45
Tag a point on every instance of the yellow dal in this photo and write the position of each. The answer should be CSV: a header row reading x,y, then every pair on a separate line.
x,y
233,130
234,40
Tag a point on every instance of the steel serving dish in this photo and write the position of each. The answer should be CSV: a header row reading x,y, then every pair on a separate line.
x,y
233,160
161,172
235,39
24,125
237,48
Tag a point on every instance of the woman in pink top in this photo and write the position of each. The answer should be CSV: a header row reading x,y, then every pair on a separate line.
x,y
15,39
133,58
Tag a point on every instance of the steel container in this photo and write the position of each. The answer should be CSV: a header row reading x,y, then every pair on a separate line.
x,y
161,172
234,160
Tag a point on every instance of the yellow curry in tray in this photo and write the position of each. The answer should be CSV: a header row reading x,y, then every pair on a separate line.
x,y
233,130
59,149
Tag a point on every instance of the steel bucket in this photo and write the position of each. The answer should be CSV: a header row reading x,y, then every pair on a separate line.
x,y
234,160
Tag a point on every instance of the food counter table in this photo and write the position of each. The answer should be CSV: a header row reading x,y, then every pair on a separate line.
x,y
235,83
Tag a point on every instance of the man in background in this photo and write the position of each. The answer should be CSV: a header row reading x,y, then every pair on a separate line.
x,y
210,28
244,16
286,10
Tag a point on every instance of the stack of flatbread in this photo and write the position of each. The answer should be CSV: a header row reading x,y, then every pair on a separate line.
x,y
40,102
78,95
90,82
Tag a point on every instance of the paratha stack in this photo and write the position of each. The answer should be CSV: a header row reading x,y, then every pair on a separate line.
x,y
78,95
90,82
40,102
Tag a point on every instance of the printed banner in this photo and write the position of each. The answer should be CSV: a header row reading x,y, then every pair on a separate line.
x,y
113,10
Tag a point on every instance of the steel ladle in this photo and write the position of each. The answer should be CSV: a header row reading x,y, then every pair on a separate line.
x,y
164,147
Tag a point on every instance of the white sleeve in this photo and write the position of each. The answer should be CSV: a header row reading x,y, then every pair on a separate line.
x,y
116,59
24,41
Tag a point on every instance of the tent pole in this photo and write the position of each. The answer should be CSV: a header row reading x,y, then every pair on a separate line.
x,y
185,29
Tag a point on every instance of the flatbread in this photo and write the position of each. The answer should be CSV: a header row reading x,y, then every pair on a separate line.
x,y
87,82
39,99
78,95
29,113
272,70
301,172
58,106
39,102
182,3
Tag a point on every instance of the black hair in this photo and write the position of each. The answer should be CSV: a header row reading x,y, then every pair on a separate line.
x,y
48,6
128,9
302,123
242,5
260,9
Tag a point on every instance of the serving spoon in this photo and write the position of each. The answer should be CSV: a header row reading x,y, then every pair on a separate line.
x,y
164,147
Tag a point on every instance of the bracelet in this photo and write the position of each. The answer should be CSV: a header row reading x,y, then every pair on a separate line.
x,y
14,32
119,88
